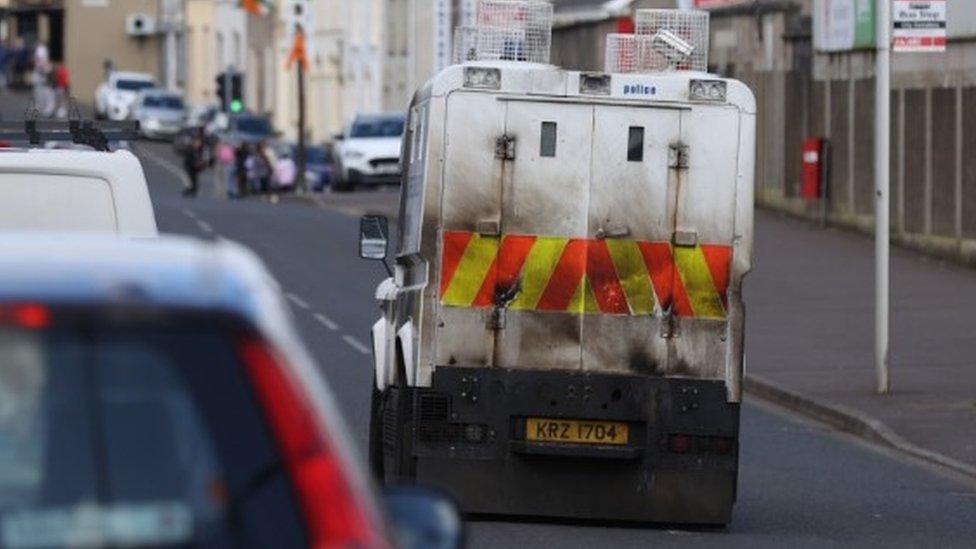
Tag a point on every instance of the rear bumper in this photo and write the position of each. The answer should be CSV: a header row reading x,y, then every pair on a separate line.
x,y
499,472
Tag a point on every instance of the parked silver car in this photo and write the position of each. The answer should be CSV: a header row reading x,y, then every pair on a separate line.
x,y
160,113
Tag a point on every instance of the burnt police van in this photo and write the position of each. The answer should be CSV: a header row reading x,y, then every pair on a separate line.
x,y
562,333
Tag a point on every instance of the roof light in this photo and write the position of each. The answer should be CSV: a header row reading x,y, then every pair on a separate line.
x,y
335,515
30,316
482,78
595,83
714,91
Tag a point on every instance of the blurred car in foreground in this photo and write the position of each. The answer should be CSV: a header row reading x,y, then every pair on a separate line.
x,y
74,190
369,152
115,97
160,113
154,393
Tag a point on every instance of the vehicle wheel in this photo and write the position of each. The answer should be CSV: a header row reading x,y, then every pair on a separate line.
x,y
376,410
342,184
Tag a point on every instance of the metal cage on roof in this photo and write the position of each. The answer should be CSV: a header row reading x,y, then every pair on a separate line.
x,y
678,37
507,30
465,44
632,53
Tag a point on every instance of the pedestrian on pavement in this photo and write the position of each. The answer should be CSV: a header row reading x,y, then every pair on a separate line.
x,y
194,163
42,81
285,171
6,56
240,168
226,157
62,90
258,168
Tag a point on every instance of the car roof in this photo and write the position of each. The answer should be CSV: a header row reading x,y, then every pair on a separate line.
x,y
392,115
165,272
127,75
160,92
120,169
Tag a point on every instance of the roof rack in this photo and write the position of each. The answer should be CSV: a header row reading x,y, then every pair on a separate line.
x,y
94,134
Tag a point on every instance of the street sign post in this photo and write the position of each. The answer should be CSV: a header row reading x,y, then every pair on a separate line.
x,y
919,26
298,18
882,152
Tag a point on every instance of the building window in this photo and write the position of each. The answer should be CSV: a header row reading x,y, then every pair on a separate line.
x,y
547,143
635,144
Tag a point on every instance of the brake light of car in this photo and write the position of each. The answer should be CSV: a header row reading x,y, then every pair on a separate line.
x,y
30,316
334,514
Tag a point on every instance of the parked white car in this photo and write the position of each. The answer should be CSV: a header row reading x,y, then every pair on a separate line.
x,y
369,151
115,97
75,191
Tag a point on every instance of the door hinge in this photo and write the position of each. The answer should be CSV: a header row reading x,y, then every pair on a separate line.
x,y
678,156
505,147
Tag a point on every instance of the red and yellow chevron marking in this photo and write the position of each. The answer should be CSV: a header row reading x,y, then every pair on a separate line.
x,y
575,275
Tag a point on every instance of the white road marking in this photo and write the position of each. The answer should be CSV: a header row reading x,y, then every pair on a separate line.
x,y
298,301
295,299
170,167
326,321
205,227
356,344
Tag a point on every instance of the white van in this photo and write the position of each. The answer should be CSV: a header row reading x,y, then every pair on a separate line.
x,y
76,191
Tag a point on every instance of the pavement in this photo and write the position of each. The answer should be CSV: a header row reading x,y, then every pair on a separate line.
x,y
802,483
810,332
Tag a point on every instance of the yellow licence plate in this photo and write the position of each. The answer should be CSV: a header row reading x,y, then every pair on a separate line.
x,y
575,431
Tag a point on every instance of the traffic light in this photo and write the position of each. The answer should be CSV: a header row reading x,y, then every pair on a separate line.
x,y
230,91
222,91
236,92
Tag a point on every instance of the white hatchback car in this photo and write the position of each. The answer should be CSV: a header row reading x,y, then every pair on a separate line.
x,y
76,191
115,97
369,151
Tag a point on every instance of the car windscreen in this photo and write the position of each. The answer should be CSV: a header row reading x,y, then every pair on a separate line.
x,y
253,125
134,85
135,436
377,127
163,102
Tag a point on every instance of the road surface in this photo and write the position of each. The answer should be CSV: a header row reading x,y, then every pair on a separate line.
x,y
801,485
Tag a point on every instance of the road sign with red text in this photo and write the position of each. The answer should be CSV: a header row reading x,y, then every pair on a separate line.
x,y
919,25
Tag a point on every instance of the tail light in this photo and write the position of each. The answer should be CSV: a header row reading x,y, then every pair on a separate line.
x,y
30,316
335,515
679,444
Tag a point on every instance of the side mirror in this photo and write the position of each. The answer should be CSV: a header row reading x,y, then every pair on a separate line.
x,y
424,518
373,237
338,137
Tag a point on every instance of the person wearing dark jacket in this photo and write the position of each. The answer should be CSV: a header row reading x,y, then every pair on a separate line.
x,y
194,162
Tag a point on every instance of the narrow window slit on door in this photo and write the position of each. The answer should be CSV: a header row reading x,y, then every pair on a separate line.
x,y
547,143
635,144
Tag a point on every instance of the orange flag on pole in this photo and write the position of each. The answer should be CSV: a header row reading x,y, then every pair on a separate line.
x,y
298,50
251,6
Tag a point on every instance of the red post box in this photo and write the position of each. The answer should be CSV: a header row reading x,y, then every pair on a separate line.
x,y
811,176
